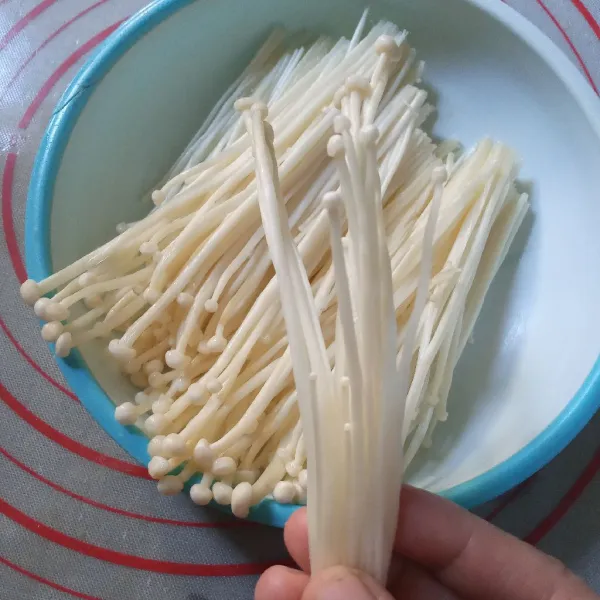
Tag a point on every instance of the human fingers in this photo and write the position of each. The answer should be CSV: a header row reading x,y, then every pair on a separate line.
x,y
408,581
465,553
340,583
278,583
295,536
474,558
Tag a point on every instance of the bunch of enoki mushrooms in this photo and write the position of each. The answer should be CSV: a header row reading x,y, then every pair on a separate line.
x,y
293,307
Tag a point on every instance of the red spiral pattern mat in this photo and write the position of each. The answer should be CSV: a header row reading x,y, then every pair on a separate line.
x,y
78,518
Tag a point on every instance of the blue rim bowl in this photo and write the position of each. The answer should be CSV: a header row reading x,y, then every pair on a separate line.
x,y
476,491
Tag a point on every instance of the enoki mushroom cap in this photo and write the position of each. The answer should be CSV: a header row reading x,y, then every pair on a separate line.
x,y
30,292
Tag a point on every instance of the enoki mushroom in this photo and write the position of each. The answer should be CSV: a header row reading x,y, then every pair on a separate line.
x,y
302,289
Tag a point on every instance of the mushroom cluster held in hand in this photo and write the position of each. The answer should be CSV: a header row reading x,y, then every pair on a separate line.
x,y
311,249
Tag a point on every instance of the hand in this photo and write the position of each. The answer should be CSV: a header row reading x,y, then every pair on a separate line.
x,y
442,553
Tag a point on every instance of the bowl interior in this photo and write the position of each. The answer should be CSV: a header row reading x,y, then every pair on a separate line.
x,y
538,336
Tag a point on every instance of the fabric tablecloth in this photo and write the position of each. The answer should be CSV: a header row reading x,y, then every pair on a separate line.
x,y
78,518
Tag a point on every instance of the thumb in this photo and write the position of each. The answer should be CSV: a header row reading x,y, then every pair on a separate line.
x,y
340,583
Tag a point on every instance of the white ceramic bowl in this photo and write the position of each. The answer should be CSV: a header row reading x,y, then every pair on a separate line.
x,y
529,382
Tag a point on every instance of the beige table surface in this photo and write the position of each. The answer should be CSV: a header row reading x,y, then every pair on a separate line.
x,y
77,516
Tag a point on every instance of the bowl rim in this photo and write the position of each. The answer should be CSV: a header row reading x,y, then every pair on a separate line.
x,y
482,488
